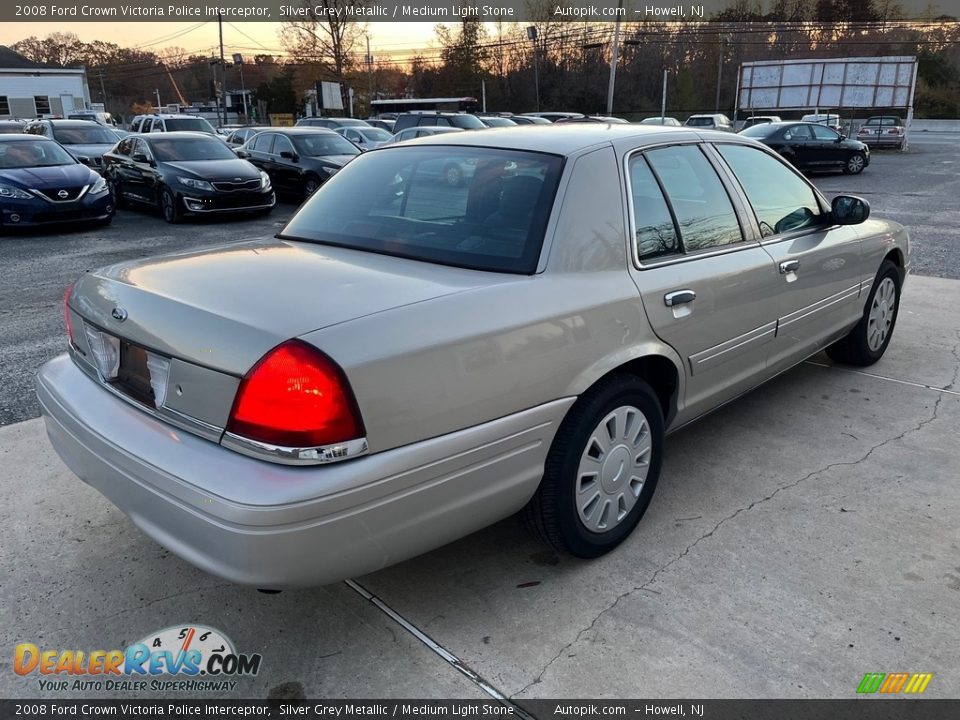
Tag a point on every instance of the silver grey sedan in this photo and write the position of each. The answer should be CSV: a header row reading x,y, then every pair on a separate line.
x,y
409,361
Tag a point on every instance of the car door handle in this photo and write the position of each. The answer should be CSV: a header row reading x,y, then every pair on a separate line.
x,y
679,297
788,266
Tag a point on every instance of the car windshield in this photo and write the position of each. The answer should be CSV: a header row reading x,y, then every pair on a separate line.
x,y
180,149
467,122
195,124
700,122
33,153
93,135
375,134
498,122
478,208
759,130
323,144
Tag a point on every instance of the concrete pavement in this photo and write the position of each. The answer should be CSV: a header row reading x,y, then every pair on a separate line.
x,y
801,537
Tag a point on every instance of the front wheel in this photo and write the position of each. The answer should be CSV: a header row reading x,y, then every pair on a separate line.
x,y
169,207
855,164
311,185
868,340
602,469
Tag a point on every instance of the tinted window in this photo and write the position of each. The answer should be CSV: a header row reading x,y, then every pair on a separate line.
x,y
282,144
781,200
654,228
702,207
821,132
700,122
373,134
195,124
466,122
185,149
263,142
402,202
797,132
95,134
320,145
759,131
33,153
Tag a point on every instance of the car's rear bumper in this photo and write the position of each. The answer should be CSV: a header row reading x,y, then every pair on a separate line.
x,y
273,526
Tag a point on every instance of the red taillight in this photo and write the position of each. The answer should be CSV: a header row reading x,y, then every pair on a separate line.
x,y
66,311
295,396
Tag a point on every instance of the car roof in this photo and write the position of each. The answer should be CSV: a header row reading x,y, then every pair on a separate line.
x,y
302,130
178,135
569,138
23,137
70,123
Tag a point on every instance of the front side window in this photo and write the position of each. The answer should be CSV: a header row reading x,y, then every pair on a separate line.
x,y
282,144
655,233
781,200
704,213
479,208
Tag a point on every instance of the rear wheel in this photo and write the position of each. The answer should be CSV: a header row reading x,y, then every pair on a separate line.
x,y
170,207
868,340
855,164
602,469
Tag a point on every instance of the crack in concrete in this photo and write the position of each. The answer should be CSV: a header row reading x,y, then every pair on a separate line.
x,y
663,568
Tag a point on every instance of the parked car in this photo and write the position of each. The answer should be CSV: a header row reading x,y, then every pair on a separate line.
x,y
882,131
381,123
365,138
87,141
185,173
240,136
831,120
168,122
529,120
103,118
400,368
299,159
497,121
42,183
812,146
665,121
759,120
710,121
593,119
554,116
464,121
330,123
422,131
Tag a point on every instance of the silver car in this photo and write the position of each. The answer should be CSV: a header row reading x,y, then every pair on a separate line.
x,y
409,361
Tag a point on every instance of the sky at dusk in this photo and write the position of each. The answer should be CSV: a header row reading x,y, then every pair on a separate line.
x,y
398,40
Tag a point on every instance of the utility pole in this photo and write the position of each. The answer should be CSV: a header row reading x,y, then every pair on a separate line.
x,y
614,57
369,61
223,73
719,71
157,91
238,60
663,99
103,90
532,36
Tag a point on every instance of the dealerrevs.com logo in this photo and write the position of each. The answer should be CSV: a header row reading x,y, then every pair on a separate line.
x,y
188,658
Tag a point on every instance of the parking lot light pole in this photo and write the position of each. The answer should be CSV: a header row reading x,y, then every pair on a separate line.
x,y
532,35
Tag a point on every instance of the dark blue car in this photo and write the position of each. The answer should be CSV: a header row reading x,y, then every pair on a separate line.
x,y
42,183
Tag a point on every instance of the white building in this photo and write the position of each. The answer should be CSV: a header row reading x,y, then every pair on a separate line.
x,y
31,90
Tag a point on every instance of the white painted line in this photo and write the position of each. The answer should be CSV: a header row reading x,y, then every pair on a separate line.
x,y
437,649
884,377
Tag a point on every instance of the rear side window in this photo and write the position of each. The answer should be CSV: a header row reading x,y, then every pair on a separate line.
x,y
782,201
478,208
654,232
704,212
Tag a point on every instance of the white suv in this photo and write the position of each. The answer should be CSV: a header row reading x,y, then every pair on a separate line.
x,y
171,123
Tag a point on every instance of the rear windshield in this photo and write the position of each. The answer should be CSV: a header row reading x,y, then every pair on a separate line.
x,y
466,122
887,121
759,130
199,148
195,124
700,122
93,135
479,208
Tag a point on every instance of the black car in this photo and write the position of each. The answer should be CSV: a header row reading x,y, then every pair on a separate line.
x,y
42,183
299,159
812,146
464,121
185,173
239,136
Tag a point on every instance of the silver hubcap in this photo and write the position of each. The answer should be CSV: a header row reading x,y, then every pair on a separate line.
x,y
856,163
881,314
613,468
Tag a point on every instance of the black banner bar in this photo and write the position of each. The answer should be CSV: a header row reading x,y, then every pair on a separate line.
x,y
864,708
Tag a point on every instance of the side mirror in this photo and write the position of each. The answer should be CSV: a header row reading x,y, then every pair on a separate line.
x,y
287,155
140,158
242,154
849,210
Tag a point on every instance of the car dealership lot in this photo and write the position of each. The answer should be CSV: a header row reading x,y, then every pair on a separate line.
x,y
800,537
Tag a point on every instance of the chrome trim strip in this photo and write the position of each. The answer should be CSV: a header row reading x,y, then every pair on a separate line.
x,y
706,359
818,306
296,456
39,194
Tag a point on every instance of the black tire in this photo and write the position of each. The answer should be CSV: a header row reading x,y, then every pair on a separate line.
x,y
855,164
169,207
453,175
311,184
552,512
855,348
118,199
